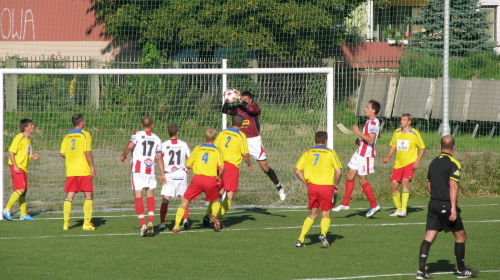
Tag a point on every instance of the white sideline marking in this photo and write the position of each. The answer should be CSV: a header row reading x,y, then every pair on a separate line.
x,y
225,230
392,275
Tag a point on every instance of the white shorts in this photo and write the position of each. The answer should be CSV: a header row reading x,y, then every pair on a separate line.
x,y
364,165
256,149
176,184
143,182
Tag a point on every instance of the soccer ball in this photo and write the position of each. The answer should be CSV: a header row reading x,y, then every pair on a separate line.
x,y
231,95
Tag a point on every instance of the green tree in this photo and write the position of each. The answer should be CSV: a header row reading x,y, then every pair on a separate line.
x,y
468,28
281,28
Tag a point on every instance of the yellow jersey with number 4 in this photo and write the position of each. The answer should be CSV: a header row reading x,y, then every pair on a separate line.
x,y
205,160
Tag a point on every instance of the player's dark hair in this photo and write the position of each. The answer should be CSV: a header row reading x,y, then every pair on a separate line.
x,y
77,119
147,122
375,106
447,142
237,120
173,129
24,123
247,93
320,137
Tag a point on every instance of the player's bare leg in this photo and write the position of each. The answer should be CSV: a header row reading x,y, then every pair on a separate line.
x,y
274,178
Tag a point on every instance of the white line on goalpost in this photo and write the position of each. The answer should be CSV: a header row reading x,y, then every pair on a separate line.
x,y
224,71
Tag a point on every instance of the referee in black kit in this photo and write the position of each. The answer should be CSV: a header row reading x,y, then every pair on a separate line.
x,y
443,213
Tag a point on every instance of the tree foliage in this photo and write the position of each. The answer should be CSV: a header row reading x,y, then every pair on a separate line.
x,y
468,28
281,28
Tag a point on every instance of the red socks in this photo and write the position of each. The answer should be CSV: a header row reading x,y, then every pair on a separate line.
x,y
139,209
368,190
349,187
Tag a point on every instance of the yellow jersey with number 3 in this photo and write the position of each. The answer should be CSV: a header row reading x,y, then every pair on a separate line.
x,y
233,144
319,164
74,146
205,160
407,145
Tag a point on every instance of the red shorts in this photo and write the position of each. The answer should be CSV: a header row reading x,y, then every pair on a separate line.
x,y
402,173
320,196
19,180
202,183
79,184
230,177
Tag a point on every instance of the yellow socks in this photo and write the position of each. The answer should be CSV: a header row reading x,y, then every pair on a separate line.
x,y
215,208
22,204
179,216
308,222
87,211
404,199
226,204
397,200
325,225
13,198
67,210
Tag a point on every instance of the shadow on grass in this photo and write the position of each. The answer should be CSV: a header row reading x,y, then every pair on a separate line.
x,y
315,238
440,266
97,221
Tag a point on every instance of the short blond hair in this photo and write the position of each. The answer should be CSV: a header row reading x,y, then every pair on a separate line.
x,y
210,134
408,116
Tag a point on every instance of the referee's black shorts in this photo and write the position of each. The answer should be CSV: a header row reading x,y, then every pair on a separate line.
x,y
438,217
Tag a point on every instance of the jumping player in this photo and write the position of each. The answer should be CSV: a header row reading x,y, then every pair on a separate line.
x,y
175,153
146,149
250,112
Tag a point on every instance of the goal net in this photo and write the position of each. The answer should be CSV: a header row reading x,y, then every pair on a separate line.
x,y
295,103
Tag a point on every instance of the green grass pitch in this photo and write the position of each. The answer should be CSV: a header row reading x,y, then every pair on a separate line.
x,y
257,244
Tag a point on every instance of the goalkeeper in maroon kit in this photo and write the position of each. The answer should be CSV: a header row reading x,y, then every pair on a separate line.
x,y
250,112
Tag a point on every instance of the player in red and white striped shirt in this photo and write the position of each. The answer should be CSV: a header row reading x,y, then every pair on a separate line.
x,y
145,147
363,159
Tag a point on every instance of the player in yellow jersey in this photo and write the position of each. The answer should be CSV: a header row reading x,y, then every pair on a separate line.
x,y
233,145
406,141
20,154
319,168
206,163
76,148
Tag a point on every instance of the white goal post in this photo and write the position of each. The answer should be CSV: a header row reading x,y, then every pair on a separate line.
x,y
223,71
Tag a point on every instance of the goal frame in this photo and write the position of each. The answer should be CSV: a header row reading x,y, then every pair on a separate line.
x,y
222,71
